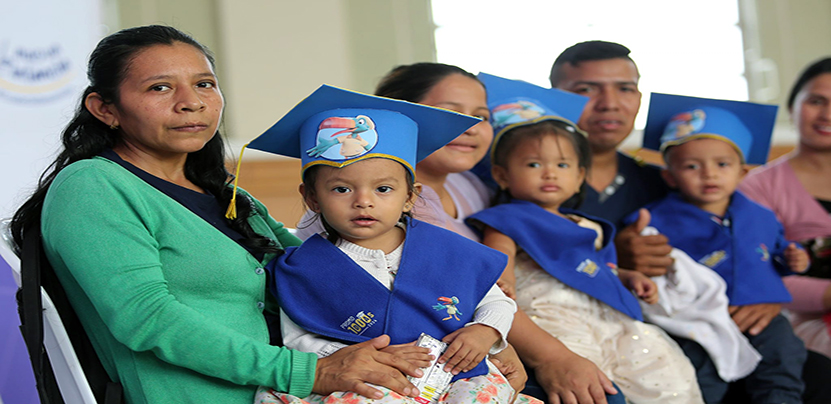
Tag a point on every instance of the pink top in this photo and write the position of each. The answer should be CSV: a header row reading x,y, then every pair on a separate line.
x,y
469,196
776,186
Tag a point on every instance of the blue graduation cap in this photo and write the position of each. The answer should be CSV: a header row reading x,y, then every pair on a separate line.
x,y
515,103
676,119
337,127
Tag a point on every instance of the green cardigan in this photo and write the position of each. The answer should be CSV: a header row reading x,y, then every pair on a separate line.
x,y
173,307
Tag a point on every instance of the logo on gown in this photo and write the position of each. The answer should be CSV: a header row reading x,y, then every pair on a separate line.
x,y
588,267
449,304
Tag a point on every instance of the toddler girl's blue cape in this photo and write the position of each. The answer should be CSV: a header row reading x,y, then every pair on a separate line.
x,y
564,250
441,279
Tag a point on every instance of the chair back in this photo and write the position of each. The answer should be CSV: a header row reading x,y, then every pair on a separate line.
x,y
58,371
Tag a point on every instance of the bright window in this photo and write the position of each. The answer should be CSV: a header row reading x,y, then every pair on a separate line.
x,y
682,47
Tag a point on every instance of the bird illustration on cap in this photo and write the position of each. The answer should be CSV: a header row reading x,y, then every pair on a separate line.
x,y
524,110
684,124
352,144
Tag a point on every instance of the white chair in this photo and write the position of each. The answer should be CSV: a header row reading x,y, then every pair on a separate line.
x,y
68,372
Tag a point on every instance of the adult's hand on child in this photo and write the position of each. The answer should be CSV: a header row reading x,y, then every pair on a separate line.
x,y
418,356
573,379
648,255
511,367
352,367
796,258
753,318
467,347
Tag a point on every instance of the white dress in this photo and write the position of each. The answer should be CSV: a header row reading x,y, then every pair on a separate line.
x,y
647,365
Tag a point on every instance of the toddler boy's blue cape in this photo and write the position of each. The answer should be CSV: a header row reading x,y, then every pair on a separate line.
x,y
322,290
746,247
564,250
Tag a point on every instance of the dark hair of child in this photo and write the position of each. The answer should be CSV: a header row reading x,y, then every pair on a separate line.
x,y
509,141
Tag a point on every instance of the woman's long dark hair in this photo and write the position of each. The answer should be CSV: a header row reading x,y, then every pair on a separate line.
x,y
813,70
413,82
86,136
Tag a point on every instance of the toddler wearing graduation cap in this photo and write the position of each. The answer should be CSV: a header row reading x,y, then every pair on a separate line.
x,y
564,262
705,144
378,271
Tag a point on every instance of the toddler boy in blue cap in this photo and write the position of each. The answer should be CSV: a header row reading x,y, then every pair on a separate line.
x,y
705,144
377,271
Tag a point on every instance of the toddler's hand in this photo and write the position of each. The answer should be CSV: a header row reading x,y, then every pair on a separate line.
x,y
507,283
639,283
468,346
644,288
796,258
418,356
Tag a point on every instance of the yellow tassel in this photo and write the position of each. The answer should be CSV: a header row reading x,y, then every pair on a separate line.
x,y
231,213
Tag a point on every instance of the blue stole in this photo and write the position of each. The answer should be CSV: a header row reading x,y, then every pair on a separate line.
x,y
564,250
745,247
441,279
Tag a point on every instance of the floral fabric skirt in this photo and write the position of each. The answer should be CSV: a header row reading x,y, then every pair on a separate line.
x,y
492,388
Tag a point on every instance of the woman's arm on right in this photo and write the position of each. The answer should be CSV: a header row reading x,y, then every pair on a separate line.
x,y
500,242
565,376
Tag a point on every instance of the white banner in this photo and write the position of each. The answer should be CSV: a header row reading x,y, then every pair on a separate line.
x,y
44,47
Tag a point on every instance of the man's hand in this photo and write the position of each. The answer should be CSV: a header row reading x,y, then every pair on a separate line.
x,y
648,255
352,367
754,317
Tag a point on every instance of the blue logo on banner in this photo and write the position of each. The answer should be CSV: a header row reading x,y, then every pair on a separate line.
x,y
34,74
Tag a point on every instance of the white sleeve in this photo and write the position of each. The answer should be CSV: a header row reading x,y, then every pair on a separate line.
x,y
297,338
496,310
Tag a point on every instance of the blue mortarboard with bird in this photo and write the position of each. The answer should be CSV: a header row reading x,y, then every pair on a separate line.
x,y
515,103
337,127
676,119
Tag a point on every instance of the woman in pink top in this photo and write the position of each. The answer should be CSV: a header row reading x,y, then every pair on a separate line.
x,y
797,187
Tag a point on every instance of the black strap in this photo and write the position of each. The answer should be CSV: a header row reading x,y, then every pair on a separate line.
x,y
30,309
36,272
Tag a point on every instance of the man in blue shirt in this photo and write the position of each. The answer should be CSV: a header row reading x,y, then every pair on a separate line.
x,y
617,184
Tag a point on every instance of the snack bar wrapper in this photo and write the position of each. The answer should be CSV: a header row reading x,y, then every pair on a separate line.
x,y
435,380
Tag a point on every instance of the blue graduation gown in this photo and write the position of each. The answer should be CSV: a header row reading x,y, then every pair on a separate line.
x,y
565,250
746,247
323,291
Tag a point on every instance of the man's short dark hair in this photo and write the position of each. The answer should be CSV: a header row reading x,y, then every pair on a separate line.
x,y
587,51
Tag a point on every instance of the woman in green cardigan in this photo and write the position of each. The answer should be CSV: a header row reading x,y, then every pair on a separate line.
x,y
171,293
